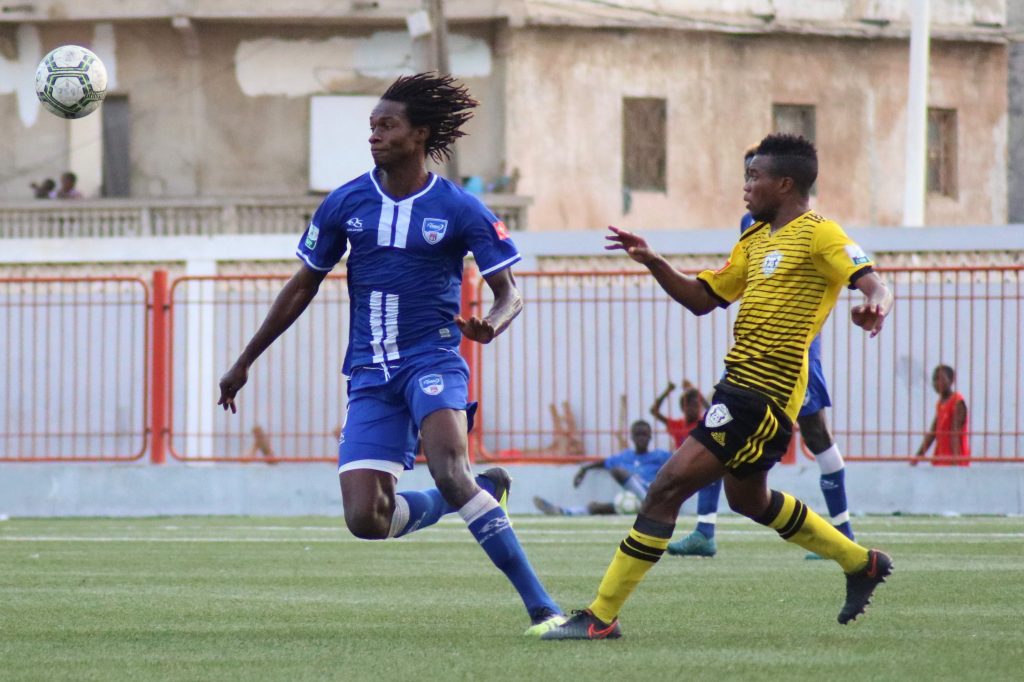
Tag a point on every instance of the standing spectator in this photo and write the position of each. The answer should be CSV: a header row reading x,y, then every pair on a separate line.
x,y
67,187
949,429
42,190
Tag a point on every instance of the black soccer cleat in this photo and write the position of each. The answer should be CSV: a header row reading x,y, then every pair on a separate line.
x,y
502,485
585,625
861,585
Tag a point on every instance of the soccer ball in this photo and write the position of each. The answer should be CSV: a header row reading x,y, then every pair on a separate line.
x,y
626,503
71,82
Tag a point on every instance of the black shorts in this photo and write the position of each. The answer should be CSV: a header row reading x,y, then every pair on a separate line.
x,y
745,430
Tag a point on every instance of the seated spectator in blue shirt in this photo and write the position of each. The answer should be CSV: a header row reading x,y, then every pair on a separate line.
x,y
633,469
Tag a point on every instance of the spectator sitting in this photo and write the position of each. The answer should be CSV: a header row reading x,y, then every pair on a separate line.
x,y
633,469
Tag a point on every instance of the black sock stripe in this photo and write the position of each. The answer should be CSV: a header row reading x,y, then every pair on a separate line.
x,y
636,553
774,507
797,522
656,529
638,546
790,526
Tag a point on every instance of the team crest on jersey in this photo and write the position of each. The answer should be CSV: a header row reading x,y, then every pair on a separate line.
x,y
355,225
312,234
434,229
771,263
432,384
717,416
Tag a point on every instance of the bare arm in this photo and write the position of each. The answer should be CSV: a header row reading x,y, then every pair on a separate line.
x,y
508,303
578,478
656,407
291,301
684,289
871,314
929,438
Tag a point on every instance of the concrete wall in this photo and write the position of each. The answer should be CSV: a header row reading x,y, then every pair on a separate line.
x,y
220,107
223,108
291,490
720,90
1015,93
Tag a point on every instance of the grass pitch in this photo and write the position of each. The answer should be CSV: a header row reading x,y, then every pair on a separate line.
x,y
299,599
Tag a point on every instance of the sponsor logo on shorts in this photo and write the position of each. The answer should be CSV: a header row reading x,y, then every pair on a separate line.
x,y
717,416
771,263
312,234
433,230
432,384
719,437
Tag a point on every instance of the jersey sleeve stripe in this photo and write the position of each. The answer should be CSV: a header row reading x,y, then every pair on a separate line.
x,y
306,260
502,265
857,275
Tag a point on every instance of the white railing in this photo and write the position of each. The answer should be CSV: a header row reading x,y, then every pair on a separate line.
x,y
46,218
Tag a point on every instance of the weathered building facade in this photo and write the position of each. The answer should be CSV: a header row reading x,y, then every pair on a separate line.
x,y
632,113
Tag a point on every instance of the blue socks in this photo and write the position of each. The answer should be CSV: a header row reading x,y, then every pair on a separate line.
x,y
833,487
491,528
707,508
422,508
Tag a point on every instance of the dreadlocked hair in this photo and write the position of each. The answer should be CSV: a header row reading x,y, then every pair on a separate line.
x,y
438,102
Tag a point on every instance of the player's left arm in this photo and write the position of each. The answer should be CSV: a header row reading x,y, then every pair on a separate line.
x,y
508,303
840,259
871,314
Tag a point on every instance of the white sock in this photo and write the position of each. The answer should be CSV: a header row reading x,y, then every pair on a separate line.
x,y
829,461
401,516
478,505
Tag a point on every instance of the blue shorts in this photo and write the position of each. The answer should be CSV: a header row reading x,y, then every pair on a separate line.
x,y
386,407
816,398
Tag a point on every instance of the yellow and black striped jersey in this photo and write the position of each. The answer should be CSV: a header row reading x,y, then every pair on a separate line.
x,y
789,281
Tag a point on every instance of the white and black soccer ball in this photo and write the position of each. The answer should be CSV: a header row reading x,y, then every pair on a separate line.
x,y
626,502
71,82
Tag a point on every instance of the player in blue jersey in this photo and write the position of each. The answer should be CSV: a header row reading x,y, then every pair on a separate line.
x,y
407,231
815,433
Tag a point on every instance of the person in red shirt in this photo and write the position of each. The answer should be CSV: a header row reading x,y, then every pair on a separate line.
x,y
692,403
949,429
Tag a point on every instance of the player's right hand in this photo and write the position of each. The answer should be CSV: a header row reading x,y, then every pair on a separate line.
x,y
230,384
634,245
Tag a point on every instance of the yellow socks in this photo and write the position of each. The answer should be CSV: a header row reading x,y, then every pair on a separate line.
x,y
797,523
635,556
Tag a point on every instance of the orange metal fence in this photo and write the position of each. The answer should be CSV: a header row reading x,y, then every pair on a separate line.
x,y
593,349
73,368
93,366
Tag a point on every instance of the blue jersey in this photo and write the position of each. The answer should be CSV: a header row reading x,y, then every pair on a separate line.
x,y
405,262
746,221
644,466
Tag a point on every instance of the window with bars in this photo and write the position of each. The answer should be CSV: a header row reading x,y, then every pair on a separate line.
x,y
942,162
796,119
644,143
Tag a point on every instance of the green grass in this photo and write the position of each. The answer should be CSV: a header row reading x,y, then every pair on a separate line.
x,y
298,599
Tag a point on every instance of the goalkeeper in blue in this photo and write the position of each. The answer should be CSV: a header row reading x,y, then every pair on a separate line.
x,y
407,231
